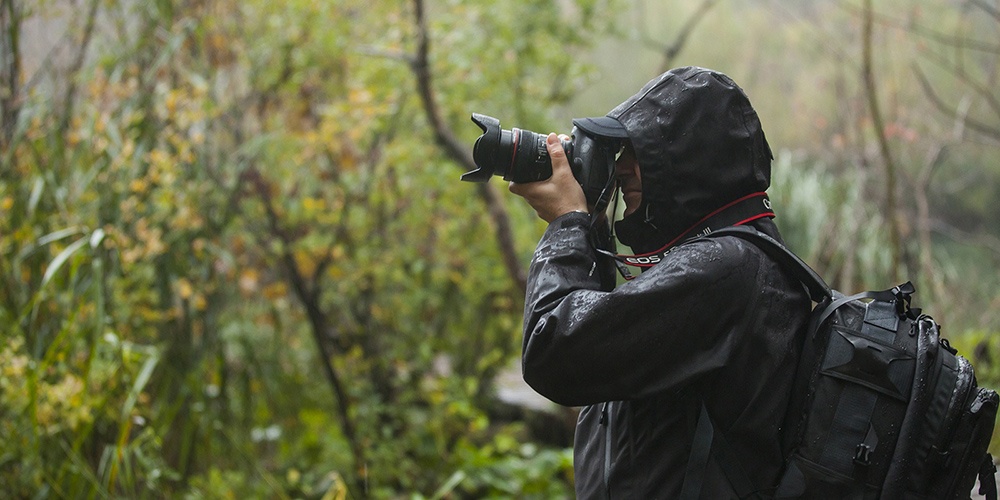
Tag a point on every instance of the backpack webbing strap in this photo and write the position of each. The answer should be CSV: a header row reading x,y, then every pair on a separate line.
x,y
818,289
988,478
701,447
724,455
851,437
707,443
899,295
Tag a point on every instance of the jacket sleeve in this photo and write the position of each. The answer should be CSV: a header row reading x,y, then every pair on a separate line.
x,y
670,326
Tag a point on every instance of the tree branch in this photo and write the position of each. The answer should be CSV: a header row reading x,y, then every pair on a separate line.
x,y
10,71
989,9
982,128
921,189
460,153
965,78
928,33
672,49
982,240
883,143
74,70
309,296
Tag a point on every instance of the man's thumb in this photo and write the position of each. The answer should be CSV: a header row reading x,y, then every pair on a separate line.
x,y
554,146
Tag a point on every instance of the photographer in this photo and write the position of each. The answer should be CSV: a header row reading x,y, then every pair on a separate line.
x,y
685,372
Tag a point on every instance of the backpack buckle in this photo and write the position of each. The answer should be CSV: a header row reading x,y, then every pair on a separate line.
x,y
903,295
863,455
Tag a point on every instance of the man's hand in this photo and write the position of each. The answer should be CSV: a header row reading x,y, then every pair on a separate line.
x,y
558,195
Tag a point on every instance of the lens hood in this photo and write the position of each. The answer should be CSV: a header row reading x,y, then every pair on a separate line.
x,y
486,149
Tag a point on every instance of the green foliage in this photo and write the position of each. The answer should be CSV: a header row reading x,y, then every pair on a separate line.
x,y
235,263
828,222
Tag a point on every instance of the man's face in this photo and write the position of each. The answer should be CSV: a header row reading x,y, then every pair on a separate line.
x,y
627,171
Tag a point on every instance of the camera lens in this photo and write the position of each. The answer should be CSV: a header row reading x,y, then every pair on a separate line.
x,y
516,155
521,156
530,158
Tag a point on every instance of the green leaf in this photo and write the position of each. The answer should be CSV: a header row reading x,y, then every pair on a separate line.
x,y
449,485
61,259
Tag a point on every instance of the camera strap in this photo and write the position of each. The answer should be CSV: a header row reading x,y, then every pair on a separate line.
x,y
746,209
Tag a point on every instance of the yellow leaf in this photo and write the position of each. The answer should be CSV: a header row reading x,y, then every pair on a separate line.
x,y
249,281
138,185
200,303
275,291
184,288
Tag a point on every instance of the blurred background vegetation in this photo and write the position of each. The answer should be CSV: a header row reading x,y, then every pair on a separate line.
x,y
236,260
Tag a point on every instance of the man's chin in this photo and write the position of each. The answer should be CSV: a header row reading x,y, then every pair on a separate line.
x,y
638,235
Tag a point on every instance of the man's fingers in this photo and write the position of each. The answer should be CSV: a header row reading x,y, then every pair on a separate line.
x,y
555,147
556,153
557,195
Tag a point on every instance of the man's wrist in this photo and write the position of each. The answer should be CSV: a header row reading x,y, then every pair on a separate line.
x,y
571,218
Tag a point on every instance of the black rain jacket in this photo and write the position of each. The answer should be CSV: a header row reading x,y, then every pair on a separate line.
x,y
716,323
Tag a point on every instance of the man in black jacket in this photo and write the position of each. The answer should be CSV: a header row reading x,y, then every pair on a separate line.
x,y
707,338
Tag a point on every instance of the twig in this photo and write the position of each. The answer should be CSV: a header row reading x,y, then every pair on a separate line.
x,y
987,130
989,9
74,70
979,239
921,187
386,54
10,58
928,33
309,295
883,143
459,152
982,90
672,49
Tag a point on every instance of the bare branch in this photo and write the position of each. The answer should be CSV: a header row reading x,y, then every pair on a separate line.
x,y
74,70
459,152
982,240
10,70
982,90
386,54
989,9
982,128
672,49
308,295
883,143
920,193
928,33
421,67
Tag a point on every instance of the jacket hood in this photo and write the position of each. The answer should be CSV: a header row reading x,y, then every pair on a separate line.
x,y
699,144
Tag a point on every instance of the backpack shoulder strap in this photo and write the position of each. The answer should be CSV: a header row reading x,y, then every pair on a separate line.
x,y
704,439
818,289
707,442
701,446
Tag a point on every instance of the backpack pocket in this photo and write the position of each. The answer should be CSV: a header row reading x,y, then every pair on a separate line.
x,y
956,458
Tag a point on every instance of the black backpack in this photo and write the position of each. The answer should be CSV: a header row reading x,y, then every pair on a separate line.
x,y
884,408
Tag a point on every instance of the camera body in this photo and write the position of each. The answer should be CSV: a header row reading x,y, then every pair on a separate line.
x,y
521,156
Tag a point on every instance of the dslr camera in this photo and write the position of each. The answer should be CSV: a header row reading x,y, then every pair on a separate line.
x,y
521,156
